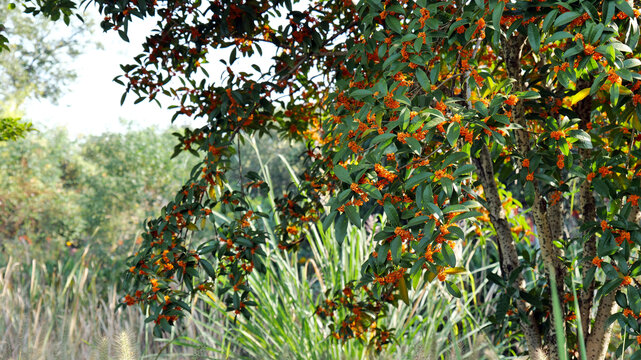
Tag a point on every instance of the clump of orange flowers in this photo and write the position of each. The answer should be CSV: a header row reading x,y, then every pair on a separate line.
x,y
557,134
512,100
560,162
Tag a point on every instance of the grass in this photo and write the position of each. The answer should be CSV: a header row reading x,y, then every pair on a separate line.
x,y
62,311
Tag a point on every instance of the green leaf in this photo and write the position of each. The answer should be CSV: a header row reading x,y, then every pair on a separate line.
x,y
394,24
208,268
634,299
625,7
587,280
559,35
395,248
549,20
566,18
392,214
466,215
416,179
534,36
361,93
614,94
453,289
414,145
418,265
453,158
352,213
608,287
372,191
382,137
584,139
497,14
342,174
423,80
453,132
340,229
448,254
464,169
502,307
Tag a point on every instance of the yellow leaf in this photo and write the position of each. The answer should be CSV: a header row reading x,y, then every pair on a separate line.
x,y
624,90
635,121
212,193
192,227
580,95
455,270
430,276
402,287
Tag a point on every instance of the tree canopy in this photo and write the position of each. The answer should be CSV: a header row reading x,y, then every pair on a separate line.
x,y
435,114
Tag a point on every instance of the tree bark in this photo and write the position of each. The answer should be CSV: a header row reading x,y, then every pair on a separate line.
x,y
599,338
507,248
549,224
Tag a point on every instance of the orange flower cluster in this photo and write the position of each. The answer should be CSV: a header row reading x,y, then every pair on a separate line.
x,y
405,235
467,134
597,261
563,67
622,236
560,162
439,174
154,285
430,251
293,230
391,278
588,49
614,78
402,136
390,102
591,176
604,225
556,135
555,197
634,200
170,318
629,312
605,171
571,316
384,173
129,300
354,147
512,100
244,221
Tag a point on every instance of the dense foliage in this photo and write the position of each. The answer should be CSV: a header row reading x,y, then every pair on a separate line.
x,y
58,194
424,111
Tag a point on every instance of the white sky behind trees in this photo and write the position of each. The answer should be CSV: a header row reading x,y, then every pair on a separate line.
x,y
90,105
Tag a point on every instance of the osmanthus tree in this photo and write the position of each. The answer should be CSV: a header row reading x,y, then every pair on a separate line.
x,y
429,112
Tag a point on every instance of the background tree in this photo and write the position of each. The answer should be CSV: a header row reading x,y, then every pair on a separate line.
x,y
35,63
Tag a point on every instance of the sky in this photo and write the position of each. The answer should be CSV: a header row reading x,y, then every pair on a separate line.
x,y
91,104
